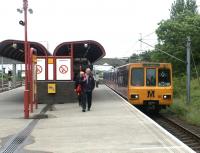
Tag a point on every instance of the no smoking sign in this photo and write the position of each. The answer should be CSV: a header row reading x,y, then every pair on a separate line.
x,y
39,69
63,69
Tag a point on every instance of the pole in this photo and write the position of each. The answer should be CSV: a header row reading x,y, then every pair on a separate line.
x,y
26,92
14,75
31,78
21,75
2,72
72,61
188,68
140,42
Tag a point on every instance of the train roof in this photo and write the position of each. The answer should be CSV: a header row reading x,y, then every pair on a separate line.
x,y
145,64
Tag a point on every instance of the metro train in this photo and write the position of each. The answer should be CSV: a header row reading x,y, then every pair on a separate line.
x,y
146,85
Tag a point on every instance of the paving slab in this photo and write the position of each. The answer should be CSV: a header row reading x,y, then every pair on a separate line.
x,y
112,126
11,113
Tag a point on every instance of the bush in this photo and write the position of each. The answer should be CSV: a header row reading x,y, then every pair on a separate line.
x,y
189,112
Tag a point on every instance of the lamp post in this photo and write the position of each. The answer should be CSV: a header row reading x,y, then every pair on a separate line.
x,y
26,57
26,91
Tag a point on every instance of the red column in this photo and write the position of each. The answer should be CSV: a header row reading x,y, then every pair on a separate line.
x,y
26,92
72,61
31,78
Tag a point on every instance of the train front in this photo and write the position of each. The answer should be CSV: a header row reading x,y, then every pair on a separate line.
x,y
151,85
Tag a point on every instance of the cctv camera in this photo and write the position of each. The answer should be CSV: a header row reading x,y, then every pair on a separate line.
x,y
21,23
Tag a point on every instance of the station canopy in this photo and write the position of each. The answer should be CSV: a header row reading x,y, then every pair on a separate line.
x,y
14,49
89,49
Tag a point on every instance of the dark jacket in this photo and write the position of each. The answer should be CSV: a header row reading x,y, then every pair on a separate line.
x,y
89,84
86,85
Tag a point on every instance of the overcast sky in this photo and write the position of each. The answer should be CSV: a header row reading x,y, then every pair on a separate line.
x,y
116,24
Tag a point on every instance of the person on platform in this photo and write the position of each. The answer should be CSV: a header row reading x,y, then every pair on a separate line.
x,y
97,80
79,87
88,86
9,80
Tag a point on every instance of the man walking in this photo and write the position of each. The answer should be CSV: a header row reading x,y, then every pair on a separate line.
x,y
89,86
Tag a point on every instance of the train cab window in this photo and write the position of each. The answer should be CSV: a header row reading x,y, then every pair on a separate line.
x,y
151,77
137,77
164,77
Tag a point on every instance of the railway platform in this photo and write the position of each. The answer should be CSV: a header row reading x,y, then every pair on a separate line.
x,y
112,126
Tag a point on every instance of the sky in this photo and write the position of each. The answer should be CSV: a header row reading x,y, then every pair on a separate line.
x,y
116,24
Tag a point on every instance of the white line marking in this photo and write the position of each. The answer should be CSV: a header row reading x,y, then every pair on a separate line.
x,y
154,148
158,126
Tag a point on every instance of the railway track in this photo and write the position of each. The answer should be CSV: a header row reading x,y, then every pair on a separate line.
x,y
187,136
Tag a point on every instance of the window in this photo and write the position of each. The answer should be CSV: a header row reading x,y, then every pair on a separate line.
x,y
122,78
164,77
137,77
151,77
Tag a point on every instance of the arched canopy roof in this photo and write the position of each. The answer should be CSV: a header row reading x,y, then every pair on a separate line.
x,y
89,49
14,49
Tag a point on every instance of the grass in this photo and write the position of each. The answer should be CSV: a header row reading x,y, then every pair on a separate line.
x,y
188,112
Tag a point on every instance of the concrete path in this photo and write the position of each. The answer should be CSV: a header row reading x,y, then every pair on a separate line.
x,y
112,126
11,113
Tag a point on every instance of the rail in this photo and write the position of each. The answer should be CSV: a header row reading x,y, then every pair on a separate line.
x,y
184,134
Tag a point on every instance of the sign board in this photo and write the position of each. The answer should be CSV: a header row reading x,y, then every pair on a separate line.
x,y
40,69
50,69
51,88
63,69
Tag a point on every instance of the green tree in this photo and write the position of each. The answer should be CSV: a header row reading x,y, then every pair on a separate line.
x,y
181,6
172,33
177,8
184,21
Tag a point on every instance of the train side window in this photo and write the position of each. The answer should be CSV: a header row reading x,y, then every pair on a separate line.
x,y
151,77
164,77
137,77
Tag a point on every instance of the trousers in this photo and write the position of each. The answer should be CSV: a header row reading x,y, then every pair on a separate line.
x,y
87,100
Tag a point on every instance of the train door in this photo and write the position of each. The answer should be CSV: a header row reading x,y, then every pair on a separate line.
x,y
151,84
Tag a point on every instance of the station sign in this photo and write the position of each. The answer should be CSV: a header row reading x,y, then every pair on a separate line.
x,y
63,69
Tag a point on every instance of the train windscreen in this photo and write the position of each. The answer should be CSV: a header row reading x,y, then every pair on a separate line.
x,y
137,77
151,77
164,77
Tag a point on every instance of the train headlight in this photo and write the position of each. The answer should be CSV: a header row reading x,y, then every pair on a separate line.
x,y
134,96
166,96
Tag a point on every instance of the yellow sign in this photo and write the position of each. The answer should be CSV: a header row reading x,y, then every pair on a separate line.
x,y
50,60
34,59
51,88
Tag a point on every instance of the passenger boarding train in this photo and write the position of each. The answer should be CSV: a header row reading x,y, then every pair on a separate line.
x,y
146,85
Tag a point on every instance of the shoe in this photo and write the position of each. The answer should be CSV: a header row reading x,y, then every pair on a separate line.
x,y
88,109
83,110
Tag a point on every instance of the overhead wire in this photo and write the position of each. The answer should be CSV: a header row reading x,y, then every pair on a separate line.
x,y
138,41
172,56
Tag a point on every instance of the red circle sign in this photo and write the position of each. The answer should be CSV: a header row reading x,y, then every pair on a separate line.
x,y
63,69
39,69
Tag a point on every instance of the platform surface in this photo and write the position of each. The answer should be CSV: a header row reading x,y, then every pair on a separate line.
x,y
112,126
12,113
